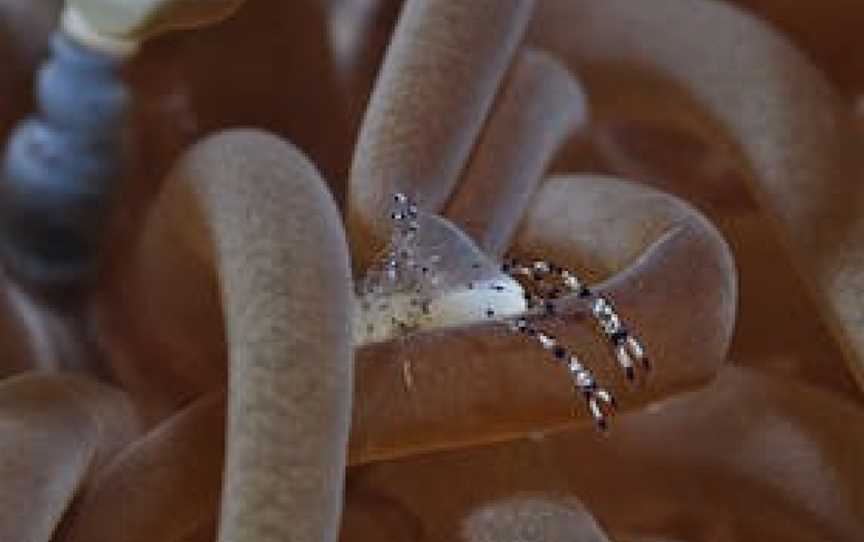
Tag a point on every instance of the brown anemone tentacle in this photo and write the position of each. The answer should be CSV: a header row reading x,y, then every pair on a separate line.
x,y
55,430
766,104
166,483
689,310
759,442
465,386
831,36
436,86
540,105
159,315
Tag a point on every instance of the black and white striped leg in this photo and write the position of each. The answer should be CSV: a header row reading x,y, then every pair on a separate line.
x,y
628,349
601,403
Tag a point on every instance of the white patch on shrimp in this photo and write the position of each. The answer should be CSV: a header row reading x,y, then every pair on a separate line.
x,y
432,275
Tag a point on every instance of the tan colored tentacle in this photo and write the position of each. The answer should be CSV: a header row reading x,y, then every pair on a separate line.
x,y
164,486
436,86
474,385
55,431
540,105
765,103
282,260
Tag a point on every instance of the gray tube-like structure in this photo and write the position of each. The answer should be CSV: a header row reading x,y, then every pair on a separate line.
x,y
280,248
61,167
